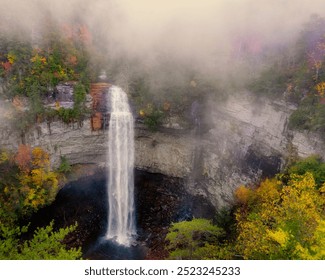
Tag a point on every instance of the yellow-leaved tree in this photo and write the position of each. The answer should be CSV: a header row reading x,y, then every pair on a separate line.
x,y
38,185
27,182
282,221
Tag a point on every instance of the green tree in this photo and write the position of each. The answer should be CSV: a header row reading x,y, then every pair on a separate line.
x,y
65,166
46,244
196,239
312,164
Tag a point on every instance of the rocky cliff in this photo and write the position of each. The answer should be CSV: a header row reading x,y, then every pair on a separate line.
x,y
247,138
244,139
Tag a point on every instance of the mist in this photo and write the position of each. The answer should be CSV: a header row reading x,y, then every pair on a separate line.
x,y
206,35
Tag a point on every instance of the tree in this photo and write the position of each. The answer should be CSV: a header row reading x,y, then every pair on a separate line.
x,y
39,185
312,164
320,87
282,221
196,239
40,158
23,157
27,184
46,244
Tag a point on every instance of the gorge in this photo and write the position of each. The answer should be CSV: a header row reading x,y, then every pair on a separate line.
x,y
179,173
245,138
181,131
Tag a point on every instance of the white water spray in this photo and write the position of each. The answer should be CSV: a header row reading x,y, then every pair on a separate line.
x,y
120,158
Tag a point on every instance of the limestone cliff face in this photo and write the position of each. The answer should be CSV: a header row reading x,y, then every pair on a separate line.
x,y
78,143
243,142
244,139
167,153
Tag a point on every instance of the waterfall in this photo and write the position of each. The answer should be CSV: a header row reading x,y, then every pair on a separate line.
x,y
120,158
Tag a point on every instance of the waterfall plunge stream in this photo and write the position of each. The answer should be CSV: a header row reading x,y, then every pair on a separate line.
x,y
120,158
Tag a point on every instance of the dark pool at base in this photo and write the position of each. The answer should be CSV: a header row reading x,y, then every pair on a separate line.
x,y
104,249
159,201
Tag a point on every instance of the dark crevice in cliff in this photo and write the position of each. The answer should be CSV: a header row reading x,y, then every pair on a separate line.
x,y
256,162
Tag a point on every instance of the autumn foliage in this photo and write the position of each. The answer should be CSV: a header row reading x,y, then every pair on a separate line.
x,y
27,182
242,195
286,221
282,218
23,157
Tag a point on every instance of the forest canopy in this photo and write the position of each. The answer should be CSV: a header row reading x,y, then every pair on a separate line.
x,y
281,219
27,184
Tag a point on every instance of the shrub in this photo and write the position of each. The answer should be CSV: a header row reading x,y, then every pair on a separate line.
x,y
153,120
196,239
46,244
312,164
65,166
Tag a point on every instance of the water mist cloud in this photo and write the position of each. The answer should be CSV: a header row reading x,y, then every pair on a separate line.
x,y
192,26
202,32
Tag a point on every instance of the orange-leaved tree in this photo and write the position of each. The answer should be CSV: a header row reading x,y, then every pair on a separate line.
x,y
23,157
